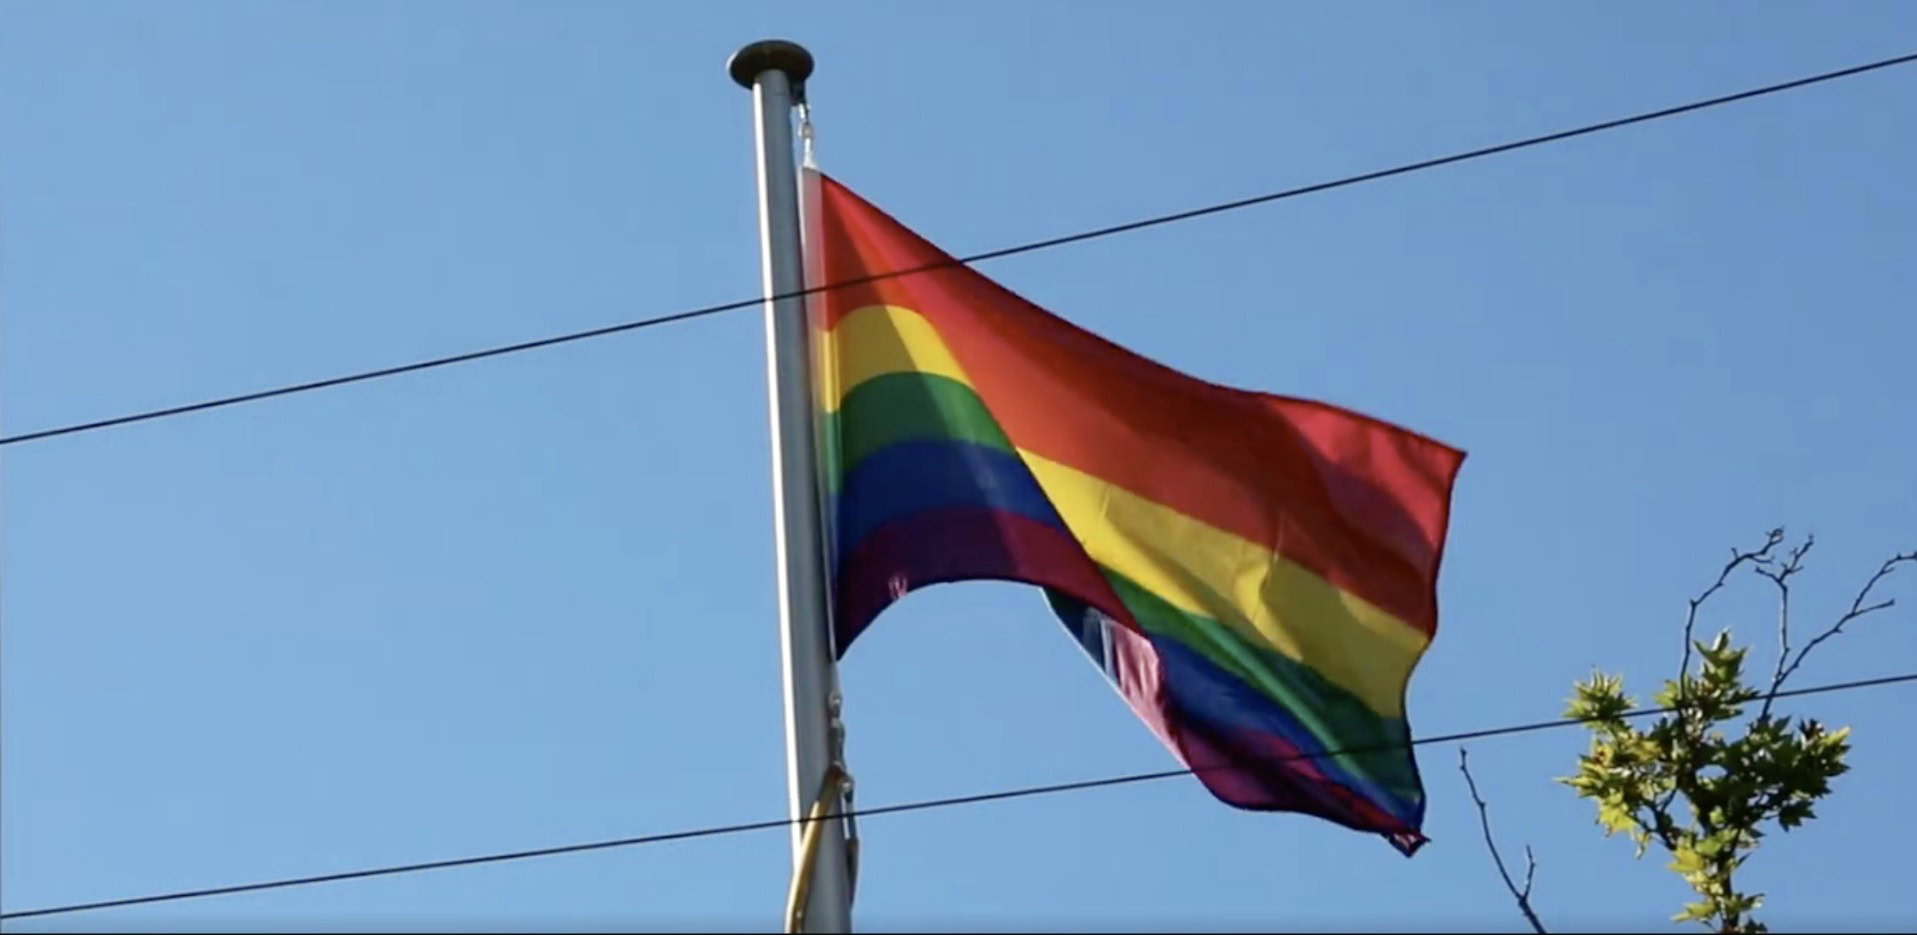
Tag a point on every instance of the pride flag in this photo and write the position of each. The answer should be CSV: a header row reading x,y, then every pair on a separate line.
x,y
1256,574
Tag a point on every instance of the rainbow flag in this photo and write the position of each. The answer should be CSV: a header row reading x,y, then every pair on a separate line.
x,y
1256,574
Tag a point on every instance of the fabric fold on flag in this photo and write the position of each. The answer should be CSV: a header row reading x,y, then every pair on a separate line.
x,y
1255,573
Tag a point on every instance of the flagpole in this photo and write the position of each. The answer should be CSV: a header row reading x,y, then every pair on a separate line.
x,y
775,72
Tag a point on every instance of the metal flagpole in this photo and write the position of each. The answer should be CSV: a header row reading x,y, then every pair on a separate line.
x,y
775,72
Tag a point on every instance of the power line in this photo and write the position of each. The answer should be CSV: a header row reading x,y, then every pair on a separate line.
x,y
1127,227
923,805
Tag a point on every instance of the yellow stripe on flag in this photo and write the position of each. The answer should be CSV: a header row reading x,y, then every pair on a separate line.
x,y
877,340
1204,570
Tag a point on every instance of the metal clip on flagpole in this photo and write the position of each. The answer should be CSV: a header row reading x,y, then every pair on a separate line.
x,y
775,72
835,789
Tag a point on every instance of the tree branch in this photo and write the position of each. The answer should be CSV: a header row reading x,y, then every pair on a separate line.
x,y
1523,896
1857,609
1780,575
1762,555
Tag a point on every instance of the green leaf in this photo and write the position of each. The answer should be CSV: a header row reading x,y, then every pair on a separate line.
x,y
1686,861
1615,817
1693,912
1667,697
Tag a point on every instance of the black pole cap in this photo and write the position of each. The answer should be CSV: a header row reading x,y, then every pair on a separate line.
x,y
756,59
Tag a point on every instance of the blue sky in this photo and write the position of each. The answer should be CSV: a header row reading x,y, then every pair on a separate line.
x,y
529,601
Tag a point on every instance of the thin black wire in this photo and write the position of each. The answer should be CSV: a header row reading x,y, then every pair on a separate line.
x,y
959,261
923,805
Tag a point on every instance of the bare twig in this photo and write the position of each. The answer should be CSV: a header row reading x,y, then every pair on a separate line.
x,y
1771,541
1760,556
1523,896
1780,574
1857,609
